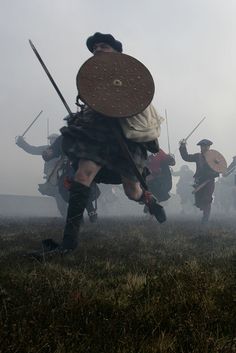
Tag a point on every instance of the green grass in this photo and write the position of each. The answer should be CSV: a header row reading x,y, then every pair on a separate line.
x,y
135,287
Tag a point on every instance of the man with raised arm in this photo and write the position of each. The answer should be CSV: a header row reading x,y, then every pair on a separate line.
x,y
204,177
51,187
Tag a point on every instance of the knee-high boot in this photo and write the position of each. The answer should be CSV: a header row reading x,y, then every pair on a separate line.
x,y
78,199
206,214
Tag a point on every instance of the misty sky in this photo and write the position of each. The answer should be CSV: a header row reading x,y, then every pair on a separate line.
x,y
188,45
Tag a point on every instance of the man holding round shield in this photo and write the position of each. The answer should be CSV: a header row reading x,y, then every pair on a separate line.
x,y
209,163
117,92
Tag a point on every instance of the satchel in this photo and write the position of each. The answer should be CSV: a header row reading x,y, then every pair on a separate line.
x,y
143,127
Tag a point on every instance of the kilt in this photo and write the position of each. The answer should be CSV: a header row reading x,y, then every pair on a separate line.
x,y
93,140
204,196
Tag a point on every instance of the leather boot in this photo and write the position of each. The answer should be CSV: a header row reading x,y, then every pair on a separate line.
x,y
91,212
206,214
78,199
153,206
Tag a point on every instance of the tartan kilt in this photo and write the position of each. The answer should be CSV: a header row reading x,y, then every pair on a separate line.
x,y
101,147
204,196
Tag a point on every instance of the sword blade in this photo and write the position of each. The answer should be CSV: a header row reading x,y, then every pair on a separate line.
x,y
199,187
31,124
194,129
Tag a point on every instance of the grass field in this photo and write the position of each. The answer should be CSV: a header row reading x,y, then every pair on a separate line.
x,y
133,286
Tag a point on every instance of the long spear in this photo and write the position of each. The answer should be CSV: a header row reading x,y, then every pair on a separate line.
x,y
50,78
167,128
31,124
47,129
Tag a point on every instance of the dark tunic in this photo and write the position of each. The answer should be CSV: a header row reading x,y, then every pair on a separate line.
x,y
203,173
160,179
89,137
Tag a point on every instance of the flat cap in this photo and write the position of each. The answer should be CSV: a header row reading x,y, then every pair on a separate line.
x,y
204,142
103,38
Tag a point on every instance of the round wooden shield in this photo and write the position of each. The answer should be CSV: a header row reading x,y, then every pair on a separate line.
x,y
216,161
115,85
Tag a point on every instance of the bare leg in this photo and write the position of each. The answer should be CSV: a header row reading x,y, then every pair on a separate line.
x,y
134,192
132,189
86,172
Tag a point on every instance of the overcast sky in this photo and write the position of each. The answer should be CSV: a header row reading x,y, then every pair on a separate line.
x,y
188,45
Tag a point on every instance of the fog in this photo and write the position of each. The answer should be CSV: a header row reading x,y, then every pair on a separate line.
x,y
189,47
117,205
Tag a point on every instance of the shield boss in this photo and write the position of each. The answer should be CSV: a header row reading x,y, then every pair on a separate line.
x,y
115,85
216,161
